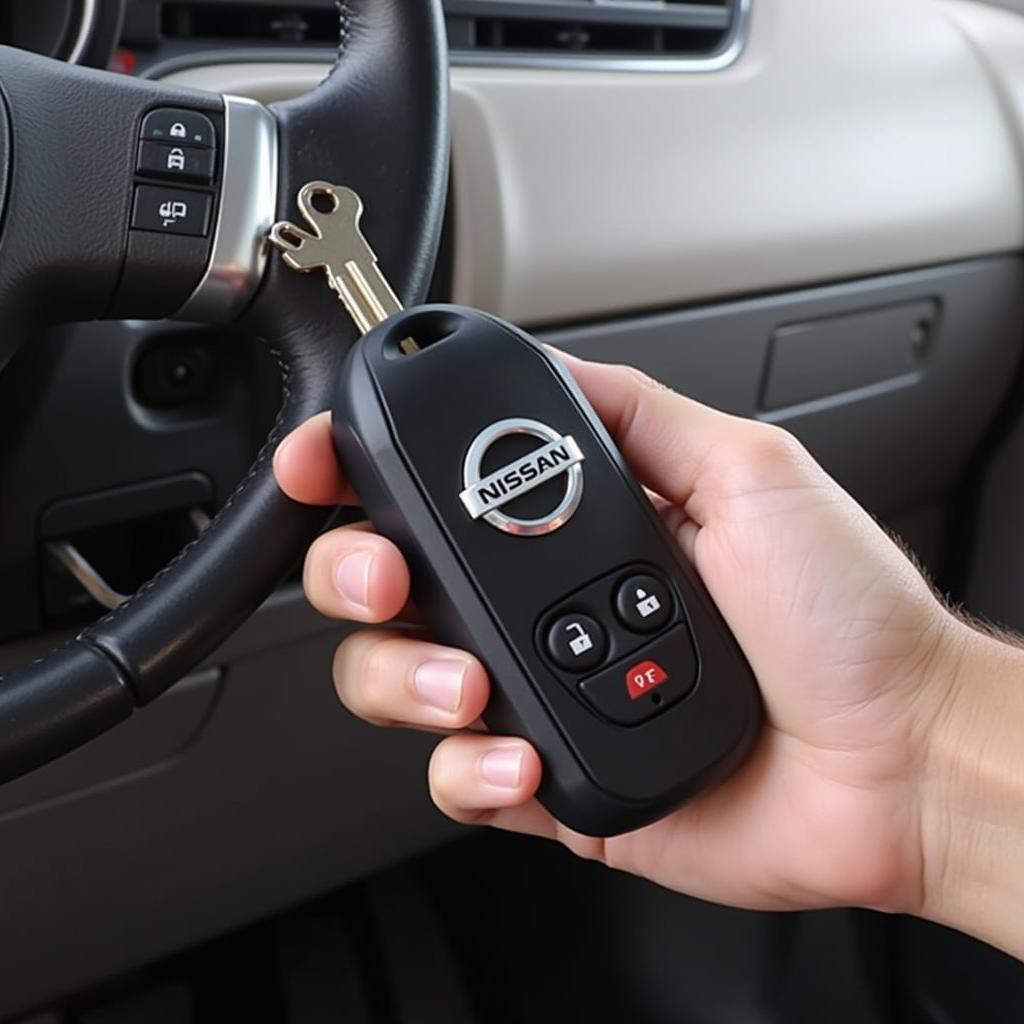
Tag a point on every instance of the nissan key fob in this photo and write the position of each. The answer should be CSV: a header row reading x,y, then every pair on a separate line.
x,y
531,545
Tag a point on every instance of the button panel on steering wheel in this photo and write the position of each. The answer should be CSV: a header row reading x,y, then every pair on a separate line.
x,y
70,163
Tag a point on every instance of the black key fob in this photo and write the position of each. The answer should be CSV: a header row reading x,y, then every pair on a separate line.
x,y
531,545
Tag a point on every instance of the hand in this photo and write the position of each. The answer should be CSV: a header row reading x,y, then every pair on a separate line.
x,y
848,642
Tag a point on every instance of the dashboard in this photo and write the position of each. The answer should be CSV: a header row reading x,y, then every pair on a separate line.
x,y
587,183
807,211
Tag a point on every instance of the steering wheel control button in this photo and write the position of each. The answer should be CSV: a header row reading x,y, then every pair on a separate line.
x,y
647,683
179,127
164,160
643,603
174,211
577,643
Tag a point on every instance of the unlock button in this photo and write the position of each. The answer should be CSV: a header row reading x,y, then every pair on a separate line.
x,y
577,642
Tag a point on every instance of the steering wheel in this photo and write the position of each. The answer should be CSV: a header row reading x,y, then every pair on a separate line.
x,y
87,233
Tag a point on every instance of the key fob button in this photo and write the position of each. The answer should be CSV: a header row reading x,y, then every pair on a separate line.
x,y
577,642
643,603
647,682
179,127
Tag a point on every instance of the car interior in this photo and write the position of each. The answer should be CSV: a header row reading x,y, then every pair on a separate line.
x,y
809,212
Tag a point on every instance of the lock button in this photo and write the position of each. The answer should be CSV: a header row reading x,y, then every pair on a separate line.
x,y
577,642
643,603
179,127
165,160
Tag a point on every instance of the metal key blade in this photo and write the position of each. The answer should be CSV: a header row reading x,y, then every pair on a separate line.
x,y
366,294
336,245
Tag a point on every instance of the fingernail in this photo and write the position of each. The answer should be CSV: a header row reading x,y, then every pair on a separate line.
x,y
562,354
439,683
281,447
352,577
502,767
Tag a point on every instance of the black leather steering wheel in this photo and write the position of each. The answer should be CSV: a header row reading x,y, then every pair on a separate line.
x,y
68,142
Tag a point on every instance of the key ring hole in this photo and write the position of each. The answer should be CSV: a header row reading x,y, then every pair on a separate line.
x,y
323,201
290,236
427,326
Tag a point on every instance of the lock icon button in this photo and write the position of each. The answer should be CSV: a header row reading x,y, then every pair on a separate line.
x,y
643,603
576,642
646,604
179,127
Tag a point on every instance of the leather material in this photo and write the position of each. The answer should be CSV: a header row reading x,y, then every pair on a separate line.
x,y
5,157
56,704
377,123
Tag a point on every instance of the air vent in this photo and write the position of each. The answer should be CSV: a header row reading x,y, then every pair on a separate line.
x,y
622,34
625,33
253,23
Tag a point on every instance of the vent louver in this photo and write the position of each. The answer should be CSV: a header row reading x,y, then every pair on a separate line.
x,y
675,34
250,22
589,31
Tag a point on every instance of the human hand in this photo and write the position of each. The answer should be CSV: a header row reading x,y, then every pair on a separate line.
x,y
849,645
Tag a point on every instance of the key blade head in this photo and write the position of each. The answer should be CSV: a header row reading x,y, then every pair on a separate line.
x,y
335,244
345,205
332,233
299,249
287,237
296,246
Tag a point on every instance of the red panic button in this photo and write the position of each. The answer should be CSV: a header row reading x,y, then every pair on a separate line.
x,y
666,668
643,678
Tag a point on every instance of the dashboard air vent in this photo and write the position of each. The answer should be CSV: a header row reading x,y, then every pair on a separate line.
x,y
250,22
609,32
642,34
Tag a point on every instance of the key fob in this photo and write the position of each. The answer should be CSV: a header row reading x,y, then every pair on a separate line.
x,y
531,545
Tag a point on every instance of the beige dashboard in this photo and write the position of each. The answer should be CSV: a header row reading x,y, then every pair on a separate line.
x,y
847,139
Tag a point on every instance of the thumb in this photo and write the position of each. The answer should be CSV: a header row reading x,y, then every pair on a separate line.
x,y
666,438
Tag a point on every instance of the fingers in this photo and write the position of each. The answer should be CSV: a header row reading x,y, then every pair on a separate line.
x,y
389,678
307,468
666,438
682,527
353,573
474,776
493,780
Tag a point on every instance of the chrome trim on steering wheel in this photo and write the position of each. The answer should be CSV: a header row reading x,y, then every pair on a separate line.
x,y
248,204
